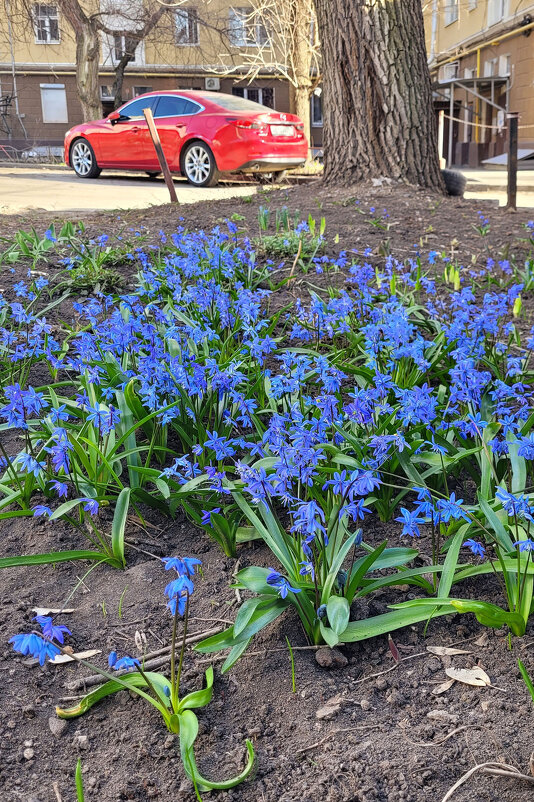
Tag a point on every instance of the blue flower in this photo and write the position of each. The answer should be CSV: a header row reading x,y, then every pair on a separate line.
x,y
476,547
278,581
35,646
184,566
50,630
525,545
122,663
410,522
41,509
91,505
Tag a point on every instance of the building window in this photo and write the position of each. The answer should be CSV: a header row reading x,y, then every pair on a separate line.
x,y
186,30
471,5
123,45
497,10
263,95
106,93
54,103
449,72
46,22
246,29
491,67
141,90
317,110
451,11
505,65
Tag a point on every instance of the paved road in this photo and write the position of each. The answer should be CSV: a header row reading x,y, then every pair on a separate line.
x,y
56,190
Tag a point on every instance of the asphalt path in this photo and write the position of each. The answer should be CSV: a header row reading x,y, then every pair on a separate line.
x,y
57,190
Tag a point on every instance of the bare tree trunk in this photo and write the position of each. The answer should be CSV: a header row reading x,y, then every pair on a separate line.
x,y
119,78
301,61
87,64
378,113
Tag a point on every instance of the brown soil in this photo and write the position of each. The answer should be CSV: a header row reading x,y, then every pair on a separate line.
x,y
392,738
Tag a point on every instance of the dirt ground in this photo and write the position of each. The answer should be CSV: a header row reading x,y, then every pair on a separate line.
x,y
388,736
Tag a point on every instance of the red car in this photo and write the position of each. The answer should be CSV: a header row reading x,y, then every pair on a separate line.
x,y
203,134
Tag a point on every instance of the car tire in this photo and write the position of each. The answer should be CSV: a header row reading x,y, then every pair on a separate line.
x,y
198,165
454,183
276,177
152,174
83,160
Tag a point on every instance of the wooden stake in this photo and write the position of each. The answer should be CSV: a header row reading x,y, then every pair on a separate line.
x,y
160,154
513,118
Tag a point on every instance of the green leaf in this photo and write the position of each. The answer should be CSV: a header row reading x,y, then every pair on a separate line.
x,y
188,735
235,654
198,698
255,579
245,613
245,534
329,636
451,561
263,615
336,564
388,622
496,524
79,781
338,611
361,567
490,615
53,557
119,524
133,680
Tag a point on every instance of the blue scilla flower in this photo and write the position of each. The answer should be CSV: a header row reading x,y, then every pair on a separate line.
x,y
307,569
525,545
36,646
410,522
184,566
476,547
91,505
279,582
122,663
179,586
50,630
41,509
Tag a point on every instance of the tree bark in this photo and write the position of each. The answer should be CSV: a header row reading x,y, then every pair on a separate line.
x,y
301,62
378,113
87,67
119,78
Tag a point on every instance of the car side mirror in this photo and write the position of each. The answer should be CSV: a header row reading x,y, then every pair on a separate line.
x,y
115,117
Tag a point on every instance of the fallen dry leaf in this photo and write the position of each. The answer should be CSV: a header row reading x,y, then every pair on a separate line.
x,y
67,658
51,610
442,650
469,676
483,640
443,687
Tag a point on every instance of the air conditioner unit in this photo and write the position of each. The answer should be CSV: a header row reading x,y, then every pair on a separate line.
x,y
213,84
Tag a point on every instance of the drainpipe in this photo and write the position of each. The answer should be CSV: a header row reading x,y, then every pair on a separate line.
x,y
13,70
434,32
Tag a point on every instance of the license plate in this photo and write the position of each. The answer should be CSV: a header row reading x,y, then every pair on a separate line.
x,y
282,130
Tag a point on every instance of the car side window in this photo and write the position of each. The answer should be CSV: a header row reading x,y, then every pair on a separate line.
x,y
170,106
135,108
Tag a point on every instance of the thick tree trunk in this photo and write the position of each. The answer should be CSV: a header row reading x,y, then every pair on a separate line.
x,y
300,105
378,114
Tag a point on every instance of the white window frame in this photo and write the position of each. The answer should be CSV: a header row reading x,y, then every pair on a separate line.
x,y
137,53
491,67
505,65
472,4
497,11
104,97
451,11
36,16
241,21
259,90
55,88
313,121
189,15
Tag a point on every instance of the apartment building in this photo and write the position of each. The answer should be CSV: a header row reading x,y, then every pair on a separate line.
x,y
481,58
202,44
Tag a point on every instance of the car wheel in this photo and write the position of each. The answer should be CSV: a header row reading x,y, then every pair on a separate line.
x,y
276,177
83,160
199,166
152,174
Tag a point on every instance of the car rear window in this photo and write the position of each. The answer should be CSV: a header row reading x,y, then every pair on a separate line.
x,y
170,106
235,103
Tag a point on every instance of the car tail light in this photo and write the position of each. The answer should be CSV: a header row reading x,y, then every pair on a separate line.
x,y
252,125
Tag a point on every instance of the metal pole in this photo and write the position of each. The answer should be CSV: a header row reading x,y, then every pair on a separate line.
x,y
451,124
441,136
160,154
513,118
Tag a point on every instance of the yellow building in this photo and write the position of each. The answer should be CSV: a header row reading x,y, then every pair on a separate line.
x,y
481,58
201,44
